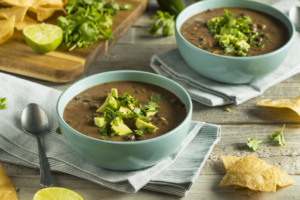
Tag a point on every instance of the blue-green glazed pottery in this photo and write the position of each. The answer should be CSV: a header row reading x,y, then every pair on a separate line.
x,y
124,155
226,69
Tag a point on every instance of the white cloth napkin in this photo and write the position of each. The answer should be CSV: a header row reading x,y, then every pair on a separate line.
x,y
174,175
208,92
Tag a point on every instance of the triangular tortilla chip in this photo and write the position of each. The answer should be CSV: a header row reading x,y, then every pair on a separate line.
x,y
23,24
32,3
282,178
19,12
229,161
252,173
7,190
293,104
44,13
6,29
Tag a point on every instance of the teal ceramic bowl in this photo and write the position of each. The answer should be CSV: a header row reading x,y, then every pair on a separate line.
x,y
233,70
124,155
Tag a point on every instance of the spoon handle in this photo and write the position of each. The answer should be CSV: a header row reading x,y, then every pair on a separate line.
x,y
46,178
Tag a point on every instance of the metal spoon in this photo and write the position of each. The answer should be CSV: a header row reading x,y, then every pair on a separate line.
x,y
34,121
294,15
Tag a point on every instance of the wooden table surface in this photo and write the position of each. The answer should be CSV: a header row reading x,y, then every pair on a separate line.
x,y
133,52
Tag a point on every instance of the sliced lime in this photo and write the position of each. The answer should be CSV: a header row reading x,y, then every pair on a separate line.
x,y
56,193
43,38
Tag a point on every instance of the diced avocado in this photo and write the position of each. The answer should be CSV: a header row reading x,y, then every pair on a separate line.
x,y
242,44
126,112
110,102
140,124
121,129
131,106
144,125
151,128
119,121
114,92
150,113
100,121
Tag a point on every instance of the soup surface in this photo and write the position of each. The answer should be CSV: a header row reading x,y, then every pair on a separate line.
x,y
272,33
81,110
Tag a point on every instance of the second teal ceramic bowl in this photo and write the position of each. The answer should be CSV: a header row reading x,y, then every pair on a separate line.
x,y
124,155
233,70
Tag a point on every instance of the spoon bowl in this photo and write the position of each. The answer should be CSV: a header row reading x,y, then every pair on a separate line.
x,y
34,121
294,15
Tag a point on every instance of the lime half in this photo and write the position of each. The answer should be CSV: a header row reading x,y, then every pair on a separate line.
x,y
56,193
43,38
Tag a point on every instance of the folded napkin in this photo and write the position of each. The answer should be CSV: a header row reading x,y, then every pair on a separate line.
x,y
174,175
208,92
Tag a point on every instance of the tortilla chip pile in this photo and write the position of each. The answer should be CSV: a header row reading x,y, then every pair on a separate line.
x,y
7,190
254,174
293,104
14,14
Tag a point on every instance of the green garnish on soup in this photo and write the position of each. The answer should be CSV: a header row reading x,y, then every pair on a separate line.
x,y
234,34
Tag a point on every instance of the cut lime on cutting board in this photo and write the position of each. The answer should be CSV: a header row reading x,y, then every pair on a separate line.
x,y
56,193
43,38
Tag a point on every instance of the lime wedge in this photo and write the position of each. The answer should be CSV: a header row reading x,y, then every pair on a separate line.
x,y
43,38
56,193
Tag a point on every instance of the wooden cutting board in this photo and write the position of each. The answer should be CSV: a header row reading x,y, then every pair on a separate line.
x,y
62,65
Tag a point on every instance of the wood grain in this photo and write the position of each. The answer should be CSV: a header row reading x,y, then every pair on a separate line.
x,y
61,65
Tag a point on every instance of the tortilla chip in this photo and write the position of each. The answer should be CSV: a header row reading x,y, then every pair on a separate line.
x,y
32,3
293,104
7,190
229,161
44,13
19,12
282,178
6,29
43,8
252,173
23,24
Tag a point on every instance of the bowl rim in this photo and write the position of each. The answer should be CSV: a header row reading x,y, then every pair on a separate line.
x,y
177,28
189,111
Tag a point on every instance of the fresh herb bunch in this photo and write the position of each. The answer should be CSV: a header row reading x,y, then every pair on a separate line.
x,y
253,144
234,34
164,21
87,21
2,104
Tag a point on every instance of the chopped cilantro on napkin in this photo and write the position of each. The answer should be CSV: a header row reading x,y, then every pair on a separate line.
x,y
2,104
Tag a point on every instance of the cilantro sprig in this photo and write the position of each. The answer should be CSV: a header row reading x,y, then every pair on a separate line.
x,y
2,104
165,21
253,144
87,21
156,97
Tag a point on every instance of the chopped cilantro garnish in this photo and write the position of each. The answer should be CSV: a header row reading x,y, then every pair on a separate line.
x,y
58,131
270,40
2,104
156,97
18,190
140,133
126,99
253,144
